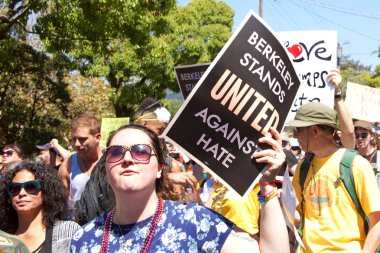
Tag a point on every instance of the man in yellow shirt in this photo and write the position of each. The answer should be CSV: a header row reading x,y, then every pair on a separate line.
x,y
330,219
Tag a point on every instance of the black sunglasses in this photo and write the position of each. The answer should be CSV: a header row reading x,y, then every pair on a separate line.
x,y
361,135
8,153
139,152
31,187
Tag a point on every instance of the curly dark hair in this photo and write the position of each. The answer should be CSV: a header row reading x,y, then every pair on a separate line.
x,y
54,196
164,186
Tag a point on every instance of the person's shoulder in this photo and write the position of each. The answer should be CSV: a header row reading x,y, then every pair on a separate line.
x,y
66,225
67,163
178,207
96,223
361,162
196,210
10,243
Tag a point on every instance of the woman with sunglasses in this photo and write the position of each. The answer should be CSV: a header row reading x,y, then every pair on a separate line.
x,y
33,205
142,221
11,153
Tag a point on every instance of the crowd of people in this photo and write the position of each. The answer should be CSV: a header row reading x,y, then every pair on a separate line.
x,y
142,194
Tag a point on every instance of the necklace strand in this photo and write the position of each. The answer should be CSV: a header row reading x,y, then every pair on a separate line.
x,y
150,233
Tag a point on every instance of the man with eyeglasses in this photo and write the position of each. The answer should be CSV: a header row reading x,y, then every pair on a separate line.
x,y
330,221
366,144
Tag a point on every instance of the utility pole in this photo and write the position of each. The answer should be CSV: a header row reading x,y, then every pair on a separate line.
x,y
261,8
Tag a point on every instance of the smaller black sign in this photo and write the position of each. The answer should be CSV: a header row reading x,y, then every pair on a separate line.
x,y
188,76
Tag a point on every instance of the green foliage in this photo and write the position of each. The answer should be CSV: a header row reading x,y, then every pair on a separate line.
x,y
32,94
124,51
135,44
89,95
172,105
353,71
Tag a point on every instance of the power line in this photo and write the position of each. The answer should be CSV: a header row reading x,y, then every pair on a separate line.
x,y
340,9
286,17
345,27
319,21
291,17
270,9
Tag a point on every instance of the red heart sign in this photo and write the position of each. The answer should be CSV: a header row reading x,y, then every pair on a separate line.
x,y
295,50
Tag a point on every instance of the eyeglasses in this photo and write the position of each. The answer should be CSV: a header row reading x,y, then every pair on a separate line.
x,y
361,135
8,153
31,187
139,152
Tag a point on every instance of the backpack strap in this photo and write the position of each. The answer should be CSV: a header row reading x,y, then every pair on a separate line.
x,y
304,169
347,177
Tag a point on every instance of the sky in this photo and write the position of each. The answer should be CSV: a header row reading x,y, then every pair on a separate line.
x,y
356,22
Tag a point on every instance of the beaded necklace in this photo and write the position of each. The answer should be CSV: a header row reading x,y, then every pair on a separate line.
x,y
150,233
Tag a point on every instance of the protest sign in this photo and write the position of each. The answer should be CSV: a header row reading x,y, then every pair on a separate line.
x,y
289,204
188,76
313,54
363,102
247,89
109,125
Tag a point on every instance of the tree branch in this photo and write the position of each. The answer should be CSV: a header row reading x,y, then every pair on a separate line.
x,y
14,16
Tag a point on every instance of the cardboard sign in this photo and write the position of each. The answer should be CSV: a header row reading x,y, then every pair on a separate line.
x,y
109,125
363,102
289,204
313,54
188,76
248,88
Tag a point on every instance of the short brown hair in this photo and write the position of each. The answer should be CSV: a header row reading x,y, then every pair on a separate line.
x,y
88,121
17,149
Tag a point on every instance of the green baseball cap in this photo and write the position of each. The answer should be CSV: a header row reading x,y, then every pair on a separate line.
x,y
314,114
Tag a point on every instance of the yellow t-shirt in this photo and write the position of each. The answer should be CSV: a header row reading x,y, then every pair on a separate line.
x,y
331,220
243,212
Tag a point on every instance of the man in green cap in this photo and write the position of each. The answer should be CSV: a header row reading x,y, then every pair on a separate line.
x,y
328,214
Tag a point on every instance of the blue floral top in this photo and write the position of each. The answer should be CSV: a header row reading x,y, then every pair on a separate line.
x,y
182,228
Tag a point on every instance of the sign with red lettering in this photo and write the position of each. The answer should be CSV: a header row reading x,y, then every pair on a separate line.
x,y
248,88
313,54
188,76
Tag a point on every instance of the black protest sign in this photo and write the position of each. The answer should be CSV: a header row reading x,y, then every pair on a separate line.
x,y
248,88
189,75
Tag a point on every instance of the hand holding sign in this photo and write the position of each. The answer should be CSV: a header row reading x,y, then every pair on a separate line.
x,y
334,78
274,157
